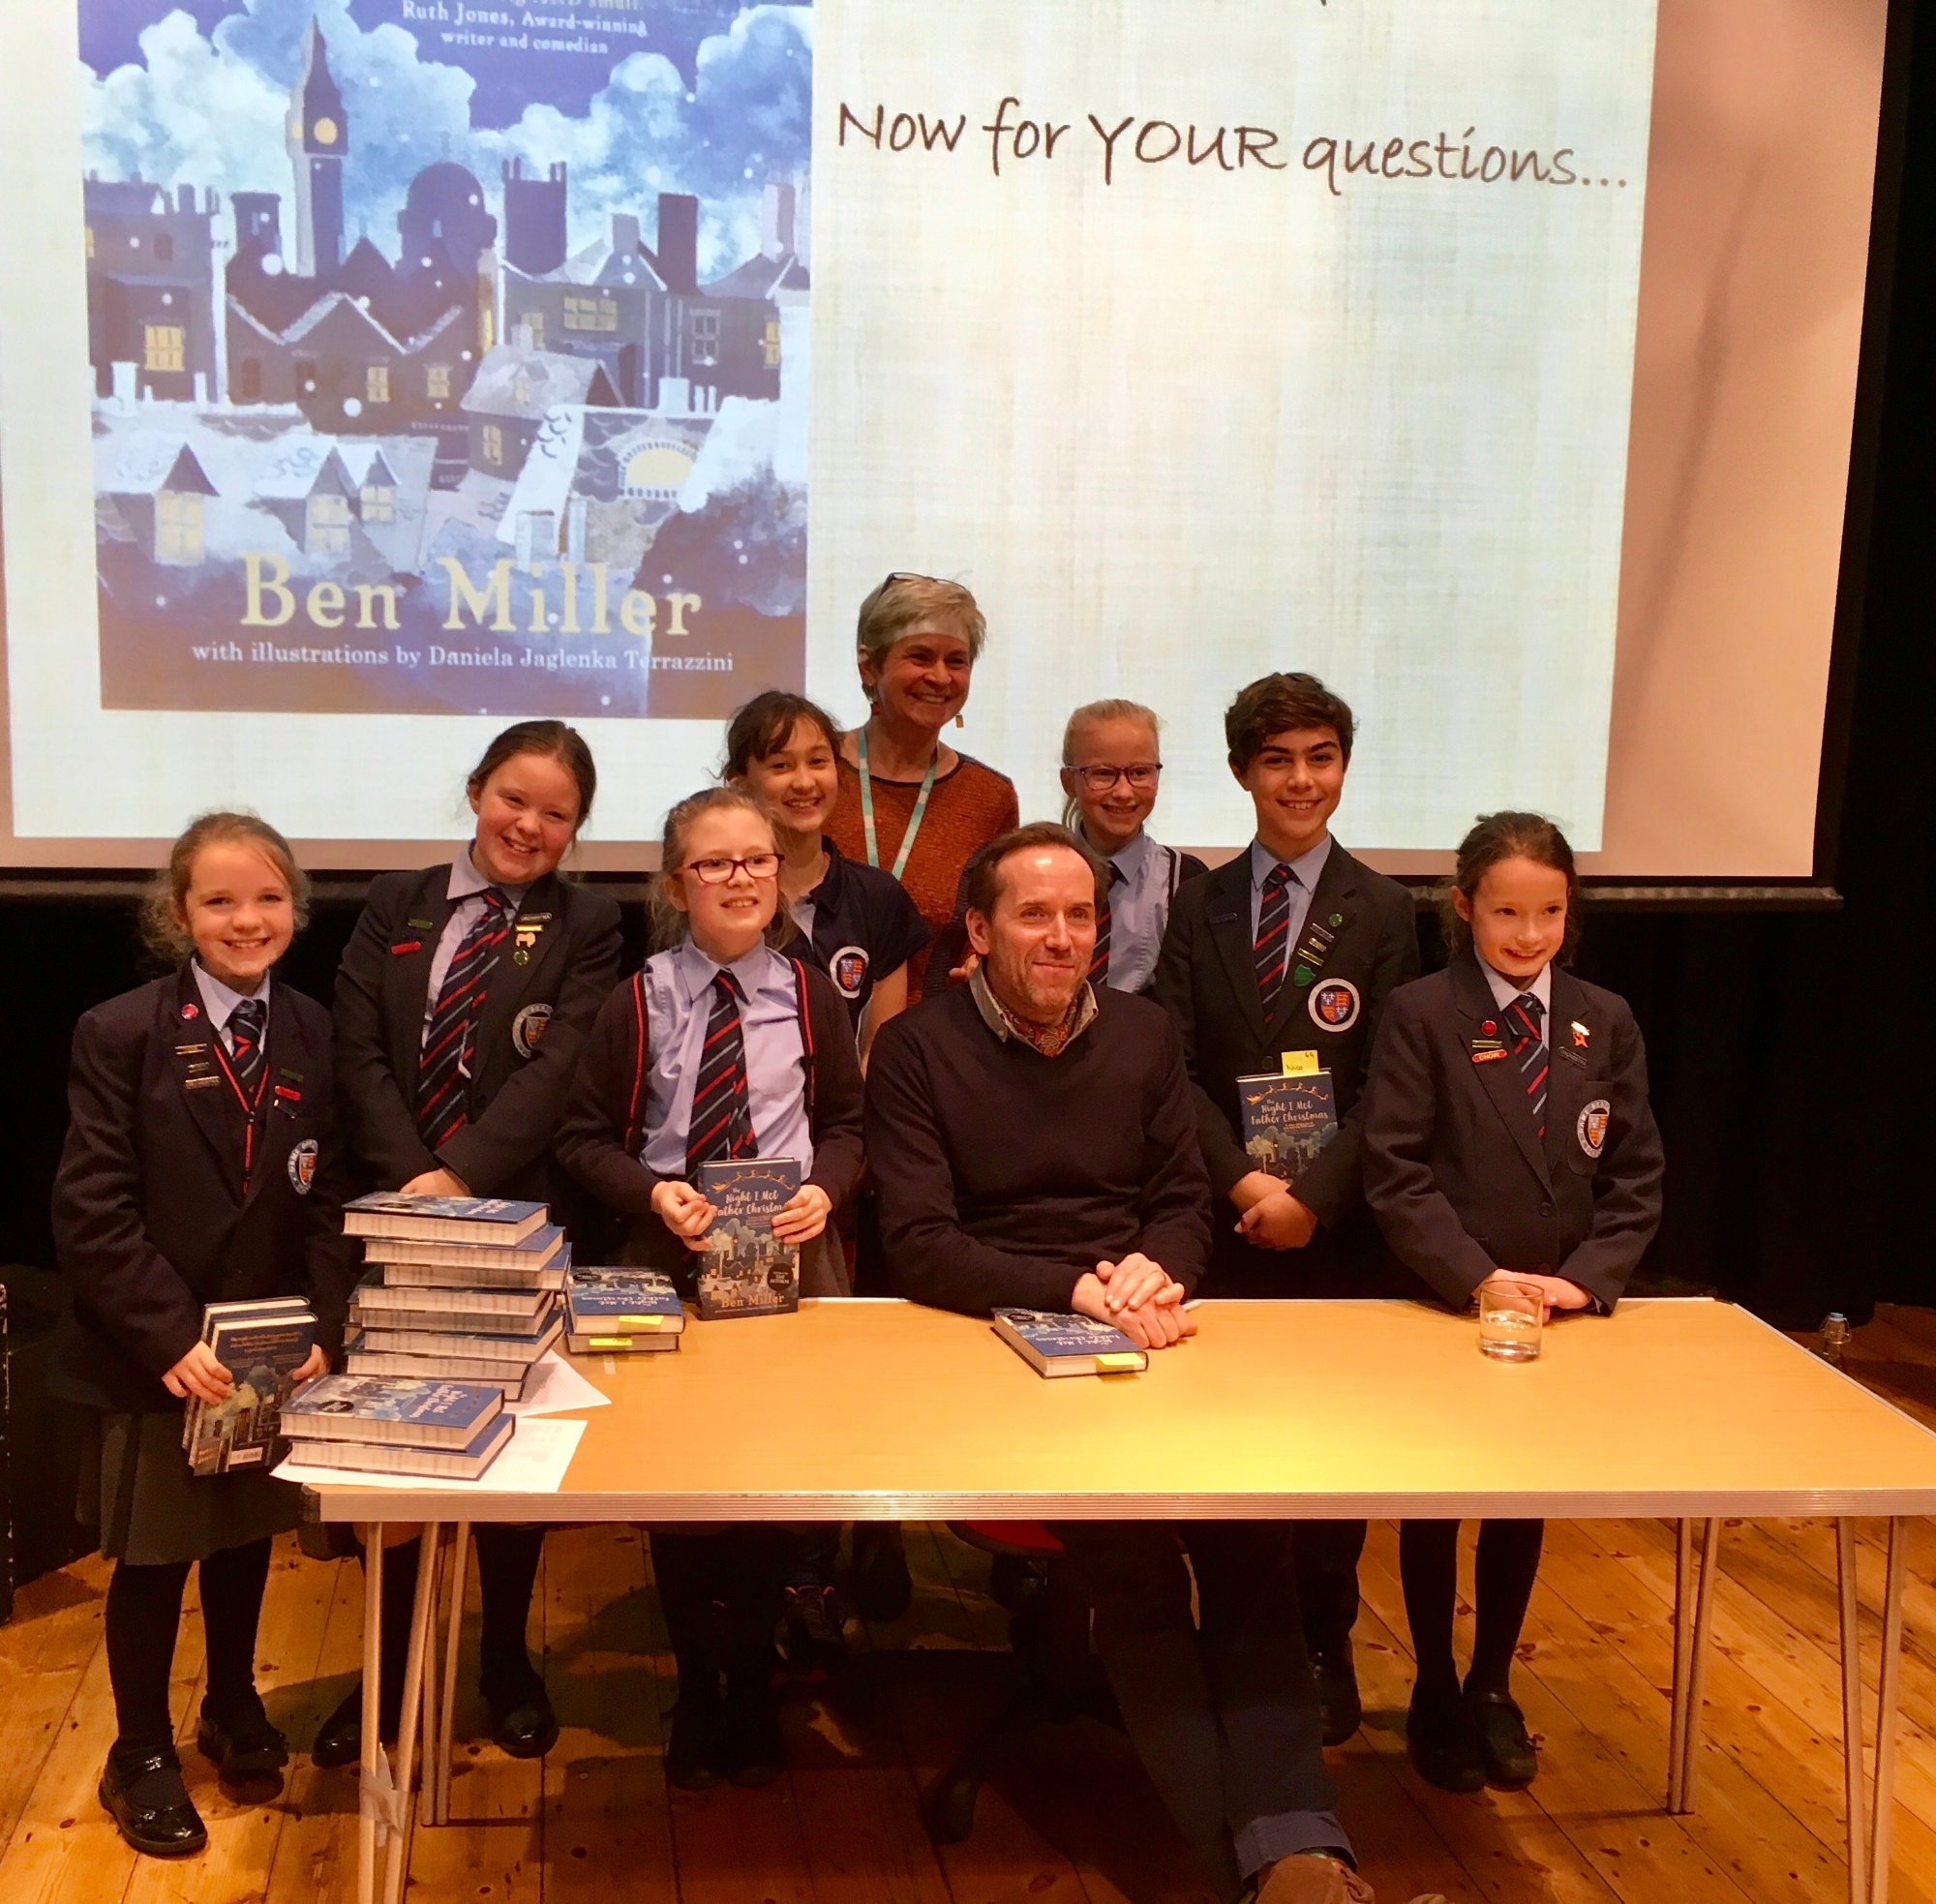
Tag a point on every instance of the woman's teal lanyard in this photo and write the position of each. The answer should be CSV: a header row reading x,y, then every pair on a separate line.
x,y
868,807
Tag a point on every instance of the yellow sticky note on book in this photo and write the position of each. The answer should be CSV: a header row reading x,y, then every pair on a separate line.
x,y
611,1342
1121,1364
1300,1063
642,1324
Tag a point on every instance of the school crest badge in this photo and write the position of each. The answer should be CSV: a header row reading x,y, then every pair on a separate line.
x,y
302,1166
527,1027
848,969
1591,1126
1335,1005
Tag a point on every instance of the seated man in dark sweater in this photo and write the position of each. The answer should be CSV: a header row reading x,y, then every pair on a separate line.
x,y
1034,1142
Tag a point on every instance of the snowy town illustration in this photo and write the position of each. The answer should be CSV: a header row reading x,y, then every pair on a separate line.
x,y
467,465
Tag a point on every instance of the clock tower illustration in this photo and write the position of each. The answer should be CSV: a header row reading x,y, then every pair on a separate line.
x,y
318,136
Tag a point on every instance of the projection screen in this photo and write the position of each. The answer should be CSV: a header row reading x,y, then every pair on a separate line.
x,y
376,372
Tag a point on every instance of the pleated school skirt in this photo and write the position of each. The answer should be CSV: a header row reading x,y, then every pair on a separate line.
x,y
152,1510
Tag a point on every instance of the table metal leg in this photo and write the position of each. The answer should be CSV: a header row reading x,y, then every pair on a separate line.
x,y
447,1739
1881,1828
407,1727
373,1746
1684,1662
1851,1704
1696,1679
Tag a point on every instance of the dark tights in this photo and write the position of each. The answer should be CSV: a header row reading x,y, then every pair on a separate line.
x,y
507,1570
720,1592
1428,1566
143,1614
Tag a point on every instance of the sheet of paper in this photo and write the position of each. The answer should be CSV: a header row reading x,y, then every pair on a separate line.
x,y
533,1463
555,1387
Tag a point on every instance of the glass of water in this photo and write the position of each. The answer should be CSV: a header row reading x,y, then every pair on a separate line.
x,y
1509,1321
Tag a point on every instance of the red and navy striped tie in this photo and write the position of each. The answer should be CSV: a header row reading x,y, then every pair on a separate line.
x,y
246,1024
1273,935
450,1043
1526,1012
722,1114
1099,960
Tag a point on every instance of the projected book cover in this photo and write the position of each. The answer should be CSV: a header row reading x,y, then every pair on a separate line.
x,y
448,358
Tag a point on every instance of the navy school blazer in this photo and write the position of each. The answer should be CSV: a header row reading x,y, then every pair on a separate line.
x,y
534,1022
152,1214
1455,1170
1206,981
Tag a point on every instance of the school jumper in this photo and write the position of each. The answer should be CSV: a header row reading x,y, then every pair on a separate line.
x,y
1207,979
557,960
1462,1181
181,1183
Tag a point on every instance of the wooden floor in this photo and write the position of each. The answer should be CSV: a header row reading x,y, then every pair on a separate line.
x,y
1070,1818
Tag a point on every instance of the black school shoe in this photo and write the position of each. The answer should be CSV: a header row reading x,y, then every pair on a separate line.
x,y
1337,1700
243,1744
753,1752
1445,1745
521,1721
338,1739
1507,1751
143,1792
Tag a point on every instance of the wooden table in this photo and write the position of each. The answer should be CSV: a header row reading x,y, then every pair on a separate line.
x,y
880,1410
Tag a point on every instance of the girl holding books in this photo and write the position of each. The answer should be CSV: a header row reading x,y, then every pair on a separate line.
x,y
722,1047
201,1165
854,921
463,996
1508,1142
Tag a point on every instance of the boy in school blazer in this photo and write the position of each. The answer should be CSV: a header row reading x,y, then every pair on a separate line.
x,y
1249,981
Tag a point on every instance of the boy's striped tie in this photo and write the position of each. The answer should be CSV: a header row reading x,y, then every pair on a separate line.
x,y
1273,935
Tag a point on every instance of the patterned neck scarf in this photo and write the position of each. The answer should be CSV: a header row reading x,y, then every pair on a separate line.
x,y
1052,1041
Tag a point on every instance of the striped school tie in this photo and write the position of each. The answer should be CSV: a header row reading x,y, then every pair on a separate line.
x,y
450,1043
245,1052
1099,960
722,1116
1526,1012
1273,935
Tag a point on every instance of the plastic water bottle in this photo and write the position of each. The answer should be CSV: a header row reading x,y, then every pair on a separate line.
x,y
1835,1338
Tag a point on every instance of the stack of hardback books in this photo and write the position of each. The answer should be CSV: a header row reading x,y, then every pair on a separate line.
x,y
622,1311
388,1425
459,1289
